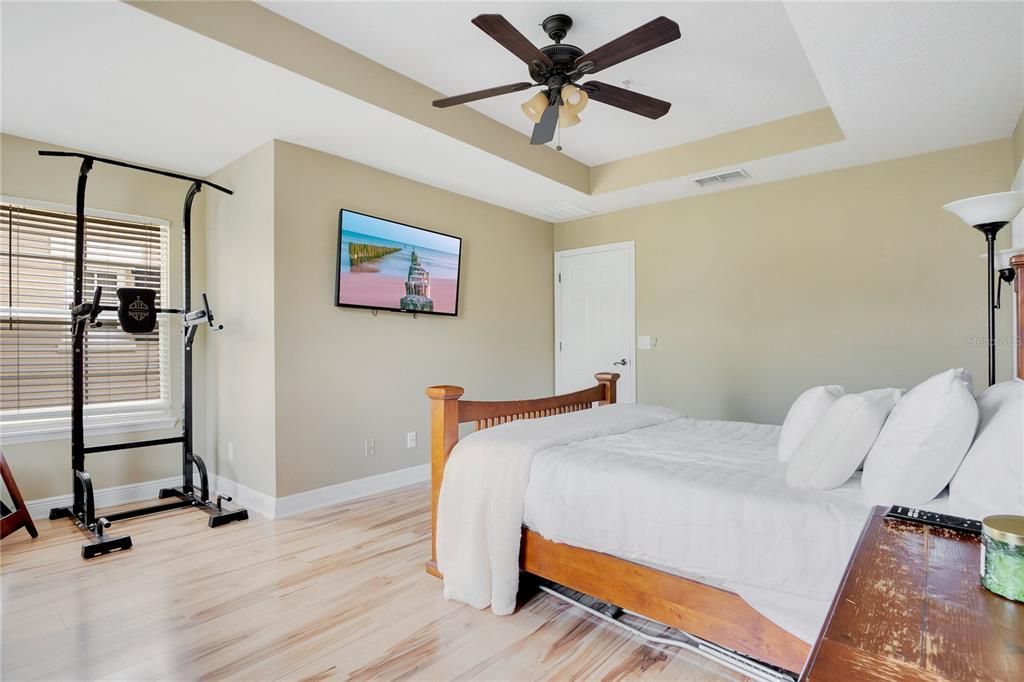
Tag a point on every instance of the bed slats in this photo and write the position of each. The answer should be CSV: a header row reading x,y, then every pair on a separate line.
x,y
482,424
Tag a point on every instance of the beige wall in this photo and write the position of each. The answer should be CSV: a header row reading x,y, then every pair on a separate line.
x,y
343,375
1017,180
43,468
1018,144
855,277
241,273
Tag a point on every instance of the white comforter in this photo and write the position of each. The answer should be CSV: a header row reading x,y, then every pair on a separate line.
x,y
480,510
703,499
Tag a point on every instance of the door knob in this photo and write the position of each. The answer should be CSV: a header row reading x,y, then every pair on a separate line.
x,y
621,362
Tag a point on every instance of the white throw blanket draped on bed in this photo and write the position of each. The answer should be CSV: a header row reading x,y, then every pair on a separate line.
x,y
480,510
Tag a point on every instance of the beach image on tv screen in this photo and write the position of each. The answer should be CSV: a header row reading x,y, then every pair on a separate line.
x,y
391,266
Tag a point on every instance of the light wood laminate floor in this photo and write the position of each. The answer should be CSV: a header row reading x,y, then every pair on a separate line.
x,y
336,592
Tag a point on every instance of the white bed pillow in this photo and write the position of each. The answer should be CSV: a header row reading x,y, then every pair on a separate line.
x,y
923,442
803,414
991,478
839,442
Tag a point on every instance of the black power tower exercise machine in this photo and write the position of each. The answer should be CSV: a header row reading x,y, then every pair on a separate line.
x,y
136,313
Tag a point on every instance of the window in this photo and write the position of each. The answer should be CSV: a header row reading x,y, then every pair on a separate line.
x,y
125,376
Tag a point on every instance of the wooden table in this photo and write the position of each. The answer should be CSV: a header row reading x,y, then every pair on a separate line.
x,y
910,607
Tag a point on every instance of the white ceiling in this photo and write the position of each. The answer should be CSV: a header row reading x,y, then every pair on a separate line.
x,y
737,64
136,87
901,79
917,76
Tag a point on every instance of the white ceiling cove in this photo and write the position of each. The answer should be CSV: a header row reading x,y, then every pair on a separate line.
x,y
736,65
901,78
140,88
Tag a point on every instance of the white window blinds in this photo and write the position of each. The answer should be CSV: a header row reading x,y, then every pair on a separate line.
x,y
37,279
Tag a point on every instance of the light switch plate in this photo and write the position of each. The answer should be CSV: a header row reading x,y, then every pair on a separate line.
x,y
410,439
644,343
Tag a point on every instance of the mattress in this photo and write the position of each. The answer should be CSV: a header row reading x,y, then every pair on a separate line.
x,y
705,500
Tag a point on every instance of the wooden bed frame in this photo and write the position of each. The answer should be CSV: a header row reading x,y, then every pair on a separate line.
x,y
714,614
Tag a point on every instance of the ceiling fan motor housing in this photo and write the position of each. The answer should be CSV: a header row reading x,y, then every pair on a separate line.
x,y
562,56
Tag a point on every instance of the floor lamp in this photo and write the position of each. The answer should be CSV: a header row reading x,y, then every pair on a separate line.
x,y
988,214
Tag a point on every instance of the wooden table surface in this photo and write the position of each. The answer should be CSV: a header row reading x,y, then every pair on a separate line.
x,y
911,607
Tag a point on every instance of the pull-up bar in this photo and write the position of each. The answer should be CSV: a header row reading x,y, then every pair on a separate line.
x,y
138,318
124,164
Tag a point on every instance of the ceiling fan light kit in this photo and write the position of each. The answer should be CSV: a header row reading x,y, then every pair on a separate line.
x,y
559,66
567,119
535,106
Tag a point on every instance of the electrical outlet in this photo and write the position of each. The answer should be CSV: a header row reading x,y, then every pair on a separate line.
x,y
231,451
369,447
410,439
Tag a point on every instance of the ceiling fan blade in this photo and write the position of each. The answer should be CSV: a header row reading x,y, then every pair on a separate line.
x,y
499,28
544,131
481,94
643,39
628,100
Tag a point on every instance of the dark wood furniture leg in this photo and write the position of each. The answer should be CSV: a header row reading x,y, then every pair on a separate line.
x,y
18,517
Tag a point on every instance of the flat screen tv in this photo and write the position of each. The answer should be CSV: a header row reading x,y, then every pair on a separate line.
x,y
384,265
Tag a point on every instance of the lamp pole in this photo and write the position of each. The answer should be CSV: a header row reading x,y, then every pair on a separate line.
x,y
990,230
988,214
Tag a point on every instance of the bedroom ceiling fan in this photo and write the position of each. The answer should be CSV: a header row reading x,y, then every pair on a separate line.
x,y
558,67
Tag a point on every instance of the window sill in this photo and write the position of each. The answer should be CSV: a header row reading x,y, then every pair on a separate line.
x,y
36,431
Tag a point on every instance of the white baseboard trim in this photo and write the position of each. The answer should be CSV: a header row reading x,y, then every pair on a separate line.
x,y
253,500
243,496
105,497
350,490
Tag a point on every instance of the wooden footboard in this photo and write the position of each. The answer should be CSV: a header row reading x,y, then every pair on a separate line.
x,y
708,612
448,410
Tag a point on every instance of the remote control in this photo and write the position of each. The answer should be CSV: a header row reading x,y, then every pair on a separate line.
x,y
934,519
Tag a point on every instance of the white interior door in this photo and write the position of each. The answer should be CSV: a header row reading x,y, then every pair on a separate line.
x,y
595,318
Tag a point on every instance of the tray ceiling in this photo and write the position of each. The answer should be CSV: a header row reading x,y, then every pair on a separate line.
x,y
193,86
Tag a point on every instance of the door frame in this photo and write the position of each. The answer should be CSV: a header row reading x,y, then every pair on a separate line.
x,y
630,248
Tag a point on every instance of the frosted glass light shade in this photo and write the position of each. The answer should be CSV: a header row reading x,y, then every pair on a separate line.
x,y
535,106
567,119
988,208
574,99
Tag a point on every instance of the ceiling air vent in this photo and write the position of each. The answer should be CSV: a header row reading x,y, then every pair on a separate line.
x,y
719,178
564,212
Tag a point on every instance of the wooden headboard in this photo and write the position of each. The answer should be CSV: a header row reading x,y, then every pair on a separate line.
x,y
1018,286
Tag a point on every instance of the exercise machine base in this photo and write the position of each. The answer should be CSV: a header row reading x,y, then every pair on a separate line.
x,y
100,543
106,545
224,517
218,515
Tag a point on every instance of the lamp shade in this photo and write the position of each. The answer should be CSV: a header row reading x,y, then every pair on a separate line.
x,y
567,119
1001,207
574,99
535,106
